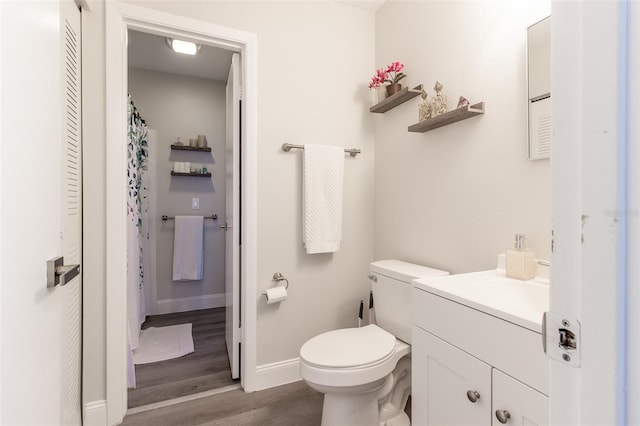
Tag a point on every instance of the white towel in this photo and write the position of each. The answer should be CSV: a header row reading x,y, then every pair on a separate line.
x,y
188,248
323,177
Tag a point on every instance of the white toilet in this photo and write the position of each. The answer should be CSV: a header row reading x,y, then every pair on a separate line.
x,y
365,372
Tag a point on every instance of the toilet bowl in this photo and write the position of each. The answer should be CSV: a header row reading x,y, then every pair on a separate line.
x,y
352,367
365,373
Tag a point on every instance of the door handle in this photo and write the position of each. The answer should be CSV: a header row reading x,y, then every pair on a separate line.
x,y
225,226
59,273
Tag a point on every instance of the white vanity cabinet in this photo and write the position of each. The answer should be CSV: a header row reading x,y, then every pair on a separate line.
x,y
442,377
473,368
526,406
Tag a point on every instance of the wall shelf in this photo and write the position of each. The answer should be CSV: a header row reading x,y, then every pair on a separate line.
x,y
190,148
191,174
450,117
396,99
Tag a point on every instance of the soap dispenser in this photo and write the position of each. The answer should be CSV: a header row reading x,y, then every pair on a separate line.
x,y
521,264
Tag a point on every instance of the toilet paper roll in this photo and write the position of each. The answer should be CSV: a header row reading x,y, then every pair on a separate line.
x,y
276,294
177,168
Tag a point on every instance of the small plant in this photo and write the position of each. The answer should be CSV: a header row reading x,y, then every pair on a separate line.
x,y
393,74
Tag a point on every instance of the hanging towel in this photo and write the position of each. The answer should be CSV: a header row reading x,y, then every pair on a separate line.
x,y
188,248
323,177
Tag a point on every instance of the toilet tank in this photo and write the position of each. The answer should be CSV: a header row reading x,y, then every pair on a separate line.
x,y
392,290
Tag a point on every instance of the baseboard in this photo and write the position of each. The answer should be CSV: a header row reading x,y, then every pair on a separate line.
x,y
277,373
95,413
184,304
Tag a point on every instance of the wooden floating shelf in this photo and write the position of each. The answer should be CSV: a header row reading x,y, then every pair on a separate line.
x,y
457,114
190,148
396,99
191,174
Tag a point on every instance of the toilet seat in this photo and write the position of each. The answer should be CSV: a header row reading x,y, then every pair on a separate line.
x,y
351,357
348,348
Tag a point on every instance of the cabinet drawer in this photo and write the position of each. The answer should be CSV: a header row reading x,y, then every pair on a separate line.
x,y
508,347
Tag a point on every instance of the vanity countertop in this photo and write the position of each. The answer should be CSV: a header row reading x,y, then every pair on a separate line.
x,y
519,302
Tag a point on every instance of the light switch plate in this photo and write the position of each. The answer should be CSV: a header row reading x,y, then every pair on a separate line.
x,y
195,204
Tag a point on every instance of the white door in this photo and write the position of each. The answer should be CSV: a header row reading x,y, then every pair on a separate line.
x,y
232,214
41,212
71,212
590,210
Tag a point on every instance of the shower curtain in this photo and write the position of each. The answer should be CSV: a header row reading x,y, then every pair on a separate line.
x,y
137,231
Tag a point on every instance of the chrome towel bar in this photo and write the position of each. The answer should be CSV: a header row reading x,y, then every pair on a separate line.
x,y
286,147
213,217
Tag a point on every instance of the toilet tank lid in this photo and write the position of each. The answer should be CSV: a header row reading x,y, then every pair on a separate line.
x,y
404,271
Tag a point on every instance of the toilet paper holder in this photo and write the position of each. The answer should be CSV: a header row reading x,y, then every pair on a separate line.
x,y
277,277
277,294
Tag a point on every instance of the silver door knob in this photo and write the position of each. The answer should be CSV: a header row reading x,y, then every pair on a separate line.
x,y
473,396
503,416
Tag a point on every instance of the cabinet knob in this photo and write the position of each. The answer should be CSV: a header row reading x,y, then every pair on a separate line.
x,y
503,416
473,396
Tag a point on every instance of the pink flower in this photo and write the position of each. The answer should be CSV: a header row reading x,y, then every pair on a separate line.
x,y
380,77
391,75
395,67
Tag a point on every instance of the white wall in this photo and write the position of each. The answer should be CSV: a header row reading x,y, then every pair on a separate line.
x,y
314,61
179,106
452,198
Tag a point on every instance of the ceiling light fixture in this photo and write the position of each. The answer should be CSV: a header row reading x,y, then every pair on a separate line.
x,y
184,47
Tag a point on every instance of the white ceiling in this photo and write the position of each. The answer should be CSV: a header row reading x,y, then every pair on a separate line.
x,y
151,52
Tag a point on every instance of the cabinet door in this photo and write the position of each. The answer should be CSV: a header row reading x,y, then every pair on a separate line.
x,y
525,405
442,376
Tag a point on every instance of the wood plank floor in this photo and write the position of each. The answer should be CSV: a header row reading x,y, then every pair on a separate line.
x,y
294,404
205,369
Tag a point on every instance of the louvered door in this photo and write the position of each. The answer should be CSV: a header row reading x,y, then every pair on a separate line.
x,y
540,128
71,150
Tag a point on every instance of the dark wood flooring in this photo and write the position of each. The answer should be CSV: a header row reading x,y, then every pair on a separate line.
x,y
205,369
294,404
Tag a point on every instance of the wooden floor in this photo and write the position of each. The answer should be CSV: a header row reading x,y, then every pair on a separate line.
x,y
294,404
205,369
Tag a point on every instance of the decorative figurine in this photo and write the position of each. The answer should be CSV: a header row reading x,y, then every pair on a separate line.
x,y
439,102
424,109
463,102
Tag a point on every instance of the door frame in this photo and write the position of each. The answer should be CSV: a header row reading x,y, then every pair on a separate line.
x,y
595,209
119,18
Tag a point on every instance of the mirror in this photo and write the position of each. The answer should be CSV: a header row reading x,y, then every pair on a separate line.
x,y
539,89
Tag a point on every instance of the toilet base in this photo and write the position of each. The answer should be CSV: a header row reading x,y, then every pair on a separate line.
x,y
393,403
341,409
401,419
